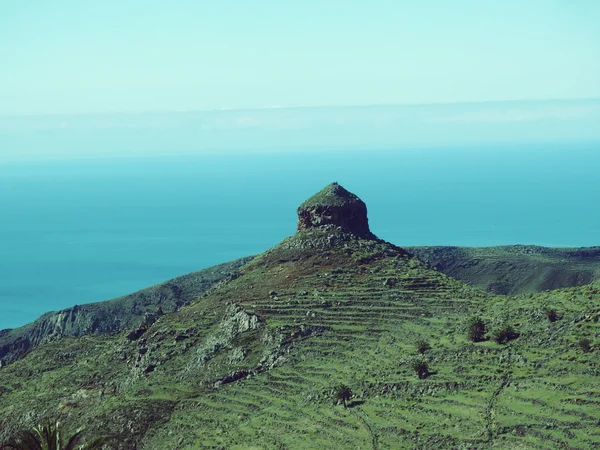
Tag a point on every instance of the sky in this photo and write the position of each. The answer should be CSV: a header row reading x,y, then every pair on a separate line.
x,y
113,56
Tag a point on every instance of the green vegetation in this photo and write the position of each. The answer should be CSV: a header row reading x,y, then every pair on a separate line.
x,y
422,346
476,329
552,315
515,269
261,359
421,368
112,316
585,345
505,334
213,375
343,394
331,195
51,437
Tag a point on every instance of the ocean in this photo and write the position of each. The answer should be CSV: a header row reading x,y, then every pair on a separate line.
x,y
82,230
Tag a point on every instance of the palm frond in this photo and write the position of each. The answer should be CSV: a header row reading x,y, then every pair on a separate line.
x,y
50,437
24,440
73,441
95,444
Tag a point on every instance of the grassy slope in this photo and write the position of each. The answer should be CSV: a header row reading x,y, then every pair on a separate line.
x,y
515,269
347,313
332,195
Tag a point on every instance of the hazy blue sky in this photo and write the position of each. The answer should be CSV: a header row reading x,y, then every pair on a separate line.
x,y
69,56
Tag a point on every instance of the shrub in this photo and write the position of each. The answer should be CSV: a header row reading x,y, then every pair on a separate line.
x,y
421,368
422,346
505,334
50,437
585,345
552,315
476,329
343,393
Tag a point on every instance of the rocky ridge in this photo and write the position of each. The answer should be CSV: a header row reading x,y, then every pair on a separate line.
x,y
113,316
515,269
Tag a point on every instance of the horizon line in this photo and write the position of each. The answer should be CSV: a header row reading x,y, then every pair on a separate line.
x,y
277,107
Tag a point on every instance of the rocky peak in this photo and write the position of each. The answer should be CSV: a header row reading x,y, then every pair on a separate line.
x,y
335,206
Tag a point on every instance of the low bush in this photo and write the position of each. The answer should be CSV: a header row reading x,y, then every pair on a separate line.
x,y
476,329
585,345
343,393
422,346
505,334
421,368
552,315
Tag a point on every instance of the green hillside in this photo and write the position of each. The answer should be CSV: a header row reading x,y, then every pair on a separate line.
x,y
115,315
256,361
515,269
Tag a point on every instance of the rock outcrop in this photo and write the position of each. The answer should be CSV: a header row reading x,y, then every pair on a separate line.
x,y
235,322
335,206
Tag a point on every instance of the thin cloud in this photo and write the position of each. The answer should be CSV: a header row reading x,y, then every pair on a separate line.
x,y
567,112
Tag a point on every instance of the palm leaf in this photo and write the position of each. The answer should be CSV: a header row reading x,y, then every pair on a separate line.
x,y
95,444
74,440
24,440
49,437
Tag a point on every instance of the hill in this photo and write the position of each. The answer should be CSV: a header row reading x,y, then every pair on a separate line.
x,y
515,269
115,315
256,361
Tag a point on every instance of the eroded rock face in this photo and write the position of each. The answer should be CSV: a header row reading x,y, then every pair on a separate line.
x,y
334,205
235,322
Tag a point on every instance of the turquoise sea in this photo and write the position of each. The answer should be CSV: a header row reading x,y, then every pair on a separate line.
x,y
81,230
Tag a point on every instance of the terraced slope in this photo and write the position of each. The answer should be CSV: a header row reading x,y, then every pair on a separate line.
x,y
294,317
362,321
253,362
515,269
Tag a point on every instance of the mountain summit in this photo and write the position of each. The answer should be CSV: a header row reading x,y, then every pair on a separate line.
x,y
335,206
